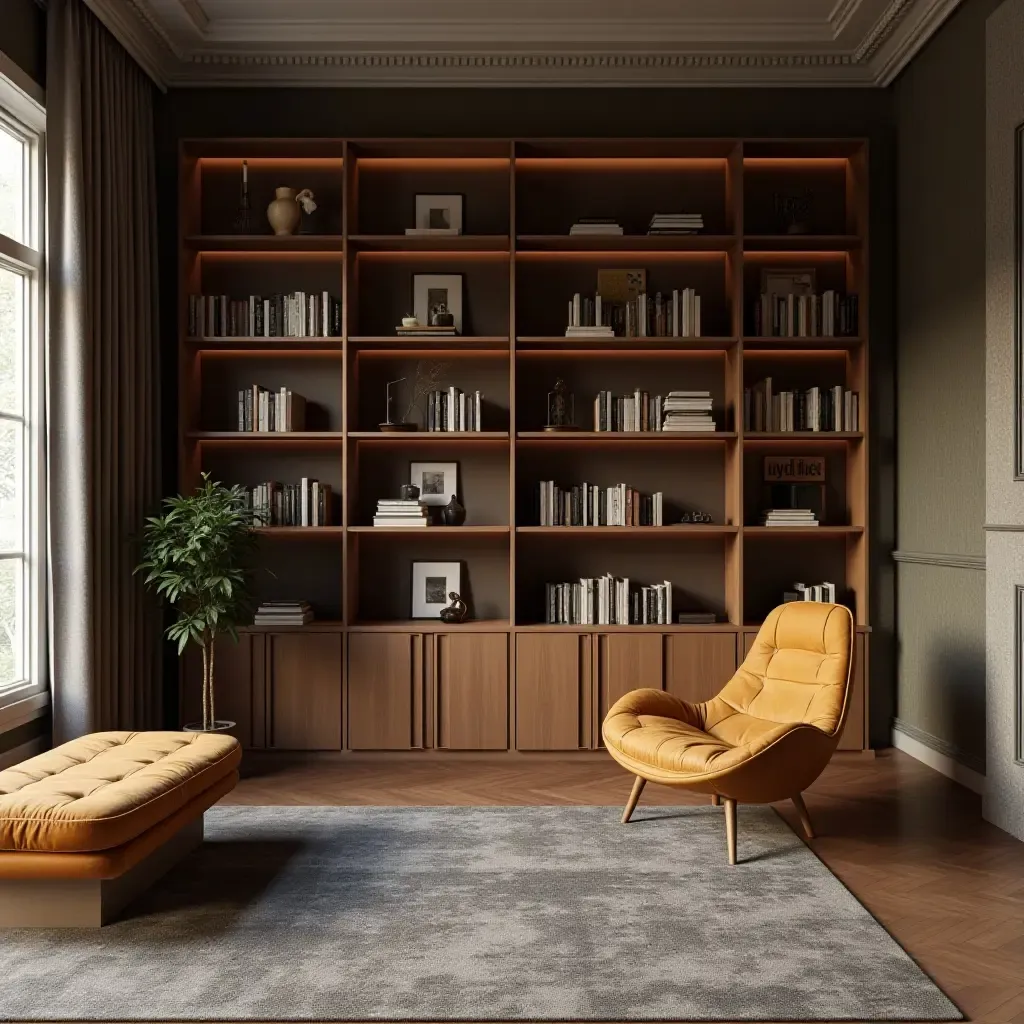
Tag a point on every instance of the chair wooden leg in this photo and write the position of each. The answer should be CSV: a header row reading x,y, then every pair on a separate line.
x,y
634,796
730,828
716,800
805,818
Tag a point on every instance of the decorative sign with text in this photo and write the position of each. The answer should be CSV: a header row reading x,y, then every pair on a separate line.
x,y
794,469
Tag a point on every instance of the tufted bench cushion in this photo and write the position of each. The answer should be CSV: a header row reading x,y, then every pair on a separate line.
x,y
105,790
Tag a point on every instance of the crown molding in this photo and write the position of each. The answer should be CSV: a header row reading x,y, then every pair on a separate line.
x,y
857,45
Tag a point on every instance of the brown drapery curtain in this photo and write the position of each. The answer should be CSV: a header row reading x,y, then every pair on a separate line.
x,y
102,391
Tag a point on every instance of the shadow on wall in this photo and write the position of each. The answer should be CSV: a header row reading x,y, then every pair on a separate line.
x,y
957,716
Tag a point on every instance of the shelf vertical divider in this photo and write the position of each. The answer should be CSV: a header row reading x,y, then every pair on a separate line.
x,y
347,207
512,426
734,504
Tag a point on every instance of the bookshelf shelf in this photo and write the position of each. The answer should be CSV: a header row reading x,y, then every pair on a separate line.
x,y
519,266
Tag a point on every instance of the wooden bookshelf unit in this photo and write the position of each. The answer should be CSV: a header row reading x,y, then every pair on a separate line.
x,y
365,676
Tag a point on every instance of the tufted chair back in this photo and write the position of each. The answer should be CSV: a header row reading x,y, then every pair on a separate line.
x,y
797,671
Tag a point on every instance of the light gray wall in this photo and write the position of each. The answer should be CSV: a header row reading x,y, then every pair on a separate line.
x,y
1004,784
940,390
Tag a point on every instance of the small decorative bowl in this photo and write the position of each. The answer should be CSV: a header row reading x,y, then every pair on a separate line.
x,y
410,321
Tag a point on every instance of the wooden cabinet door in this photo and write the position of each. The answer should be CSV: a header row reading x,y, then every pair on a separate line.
x,y
304,691
232,685
748,642
471,691
626,661
385,691
698,665
553,691
854,731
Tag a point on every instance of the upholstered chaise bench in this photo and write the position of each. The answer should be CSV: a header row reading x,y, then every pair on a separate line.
x,y
87,826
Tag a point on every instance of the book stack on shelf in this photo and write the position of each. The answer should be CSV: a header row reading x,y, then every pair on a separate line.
x,y
295,315
283,613
696,618
454,411
828,315
638,412
426,331
278,411
585,318
676,224
817,410
401,512
307,503
688,411
789,517
608,601
825,592
591,505
662,315
596,226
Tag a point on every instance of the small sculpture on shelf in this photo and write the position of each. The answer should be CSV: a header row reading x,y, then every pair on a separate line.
x,y
453,513
285,210
456,611
408,492
388,427
561,408
795,208
440,316
704,518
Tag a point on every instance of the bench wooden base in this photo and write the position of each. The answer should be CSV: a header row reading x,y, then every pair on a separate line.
x,y
91,902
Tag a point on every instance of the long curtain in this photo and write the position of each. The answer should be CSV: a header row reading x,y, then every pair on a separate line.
x,y
102,392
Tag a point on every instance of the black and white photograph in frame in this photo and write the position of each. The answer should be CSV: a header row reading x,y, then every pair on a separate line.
x,y
437,294
439,214
798,281
437,481
432,582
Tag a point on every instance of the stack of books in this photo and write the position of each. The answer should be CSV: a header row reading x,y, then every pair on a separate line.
x,y
283,613
585,318
596,226
591,505
427,232
307,503
688,410
426,331
274,411
676,224
608,601
401,512
789,517
825,592
695,618
590,332
816,409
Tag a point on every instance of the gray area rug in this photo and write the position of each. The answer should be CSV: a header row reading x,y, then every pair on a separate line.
x,y
479,913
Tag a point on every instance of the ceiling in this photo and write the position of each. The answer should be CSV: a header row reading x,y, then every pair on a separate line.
x,y
523,42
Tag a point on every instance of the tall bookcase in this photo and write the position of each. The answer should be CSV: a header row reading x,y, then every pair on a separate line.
x,y
365,676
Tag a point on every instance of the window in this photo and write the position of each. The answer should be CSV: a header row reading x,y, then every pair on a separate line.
x,y
22,540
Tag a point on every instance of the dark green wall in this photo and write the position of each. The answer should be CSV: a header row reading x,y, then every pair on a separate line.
x,y
504,113
23,36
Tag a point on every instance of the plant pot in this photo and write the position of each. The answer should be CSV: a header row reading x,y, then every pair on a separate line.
x,y
284,213
220,725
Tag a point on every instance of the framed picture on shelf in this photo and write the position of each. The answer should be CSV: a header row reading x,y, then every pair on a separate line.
x,y
436,298
438,481
432,582
438,215
795,281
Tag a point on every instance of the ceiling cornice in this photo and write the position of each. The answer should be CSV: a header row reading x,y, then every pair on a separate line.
x,y
858,44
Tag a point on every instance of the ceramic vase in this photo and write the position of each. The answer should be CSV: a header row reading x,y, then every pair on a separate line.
x,y
454,513
284,213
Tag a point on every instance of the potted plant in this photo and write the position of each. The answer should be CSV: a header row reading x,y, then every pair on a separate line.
x,y
196,556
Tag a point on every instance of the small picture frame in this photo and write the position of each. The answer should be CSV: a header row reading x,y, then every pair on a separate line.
x,y
794,281
437,481
439,215
432,582
437,296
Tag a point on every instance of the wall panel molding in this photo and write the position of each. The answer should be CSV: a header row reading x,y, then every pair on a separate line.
x,y
938,558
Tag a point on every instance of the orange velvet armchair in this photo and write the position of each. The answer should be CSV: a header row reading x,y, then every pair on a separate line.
x,y
769,733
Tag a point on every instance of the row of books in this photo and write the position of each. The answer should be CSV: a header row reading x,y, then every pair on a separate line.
x,y
824,592
592,505
789,517
307,503
673,314
454,410
608,601
828,315
283,613
816,409
260,409
295,315
676,224
401,512
642,412
596,226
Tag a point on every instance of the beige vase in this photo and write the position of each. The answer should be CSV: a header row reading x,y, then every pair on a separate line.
x,y
284,213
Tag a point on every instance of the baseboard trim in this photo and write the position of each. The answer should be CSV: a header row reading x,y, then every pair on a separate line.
x,y
915,742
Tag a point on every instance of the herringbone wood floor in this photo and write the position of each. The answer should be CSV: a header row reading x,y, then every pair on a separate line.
x,y
910,844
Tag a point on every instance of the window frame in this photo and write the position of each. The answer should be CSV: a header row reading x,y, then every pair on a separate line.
x,y
22,113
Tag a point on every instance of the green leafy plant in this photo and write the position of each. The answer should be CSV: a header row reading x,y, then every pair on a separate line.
x,y
196,556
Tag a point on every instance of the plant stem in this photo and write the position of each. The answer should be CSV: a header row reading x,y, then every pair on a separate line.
x,y
206,675
213,713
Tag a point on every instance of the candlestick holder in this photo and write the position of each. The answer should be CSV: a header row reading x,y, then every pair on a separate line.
x,y
243,221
